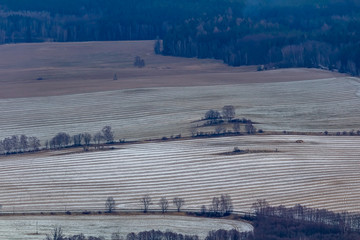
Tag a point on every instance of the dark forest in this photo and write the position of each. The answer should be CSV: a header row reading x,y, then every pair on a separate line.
x,y
268,33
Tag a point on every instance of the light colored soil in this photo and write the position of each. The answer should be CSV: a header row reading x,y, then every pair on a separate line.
x,y
69,68
19,228
307,106
321,172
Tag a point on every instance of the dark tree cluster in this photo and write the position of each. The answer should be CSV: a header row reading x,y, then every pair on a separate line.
x,y
227,115
151,235
271,34
19,144
300,222
276,34
215,117
62,139
222,234
163,203
97,20
220,206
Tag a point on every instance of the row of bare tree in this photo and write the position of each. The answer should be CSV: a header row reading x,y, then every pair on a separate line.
x,y
19,144
146,202
220,206
23,143
63,139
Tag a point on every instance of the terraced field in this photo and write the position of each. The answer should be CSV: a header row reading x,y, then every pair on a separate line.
x,y
312,105
322,172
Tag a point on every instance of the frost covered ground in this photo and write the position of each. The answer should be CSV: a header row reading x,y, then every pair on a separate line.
x,y
19,228
312,105
322,172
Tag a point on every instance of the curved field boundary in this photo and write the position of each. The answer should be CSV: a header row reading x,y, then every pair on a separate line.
x,y
312,105
18,228
322,172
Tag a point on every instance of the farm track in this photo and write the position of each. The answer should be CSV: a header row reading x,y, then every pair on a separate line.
x,y
321,172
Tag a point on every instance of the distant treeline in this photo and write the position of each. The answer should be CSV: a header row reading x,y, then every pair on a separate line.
x,y
267,33
300,222
98,20
272,34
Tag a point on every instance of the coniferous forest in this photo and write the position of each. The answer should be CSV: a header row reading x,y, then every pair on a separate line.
x,y
269,33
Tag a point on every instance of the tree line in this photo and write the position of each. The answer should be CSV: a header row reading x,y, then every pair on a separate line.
x,y
220,206
96,20
271,34
221,234
63,139
275,34
19,144
301,222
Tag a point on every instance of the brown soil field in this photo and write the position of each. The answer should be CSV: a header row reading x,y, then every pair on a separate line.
x,y
48,69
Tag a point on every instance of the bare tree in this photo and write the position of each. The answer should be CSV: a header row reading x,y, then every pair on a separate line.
x,y
108,134
110,204
34,143
164,204
97,138
226,204
15,141
178,202
146,202
250,129
87,138
215,205
56,234
260,206
212,116
61,140
228,112
7,145
77,138
24,144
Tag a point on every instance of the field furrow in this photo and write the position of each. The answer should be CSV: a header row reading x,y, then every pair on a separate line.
x,y
321,172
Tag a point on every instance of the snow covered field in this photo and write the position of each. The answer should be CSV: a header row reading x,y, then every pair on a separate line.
x,y
312,105
322,172
19,228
